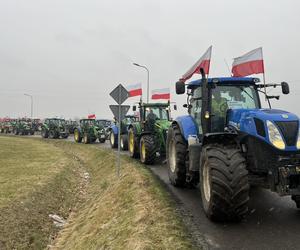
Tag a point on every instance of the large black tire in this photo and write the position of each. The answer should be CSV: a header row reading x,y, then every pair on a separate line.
x,y
86,138
77,136
224,183
31,132
51,134
176,156
113,139
133,144
102,140
296,199
124,142
147,149
44,133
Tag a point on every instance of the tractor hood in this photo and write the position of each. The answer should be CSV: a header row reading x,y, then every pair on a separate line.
x,y
163,124
254,122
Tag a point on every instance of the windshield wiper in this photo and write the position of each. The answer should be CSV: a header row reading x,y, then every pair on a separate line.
x,y
241,88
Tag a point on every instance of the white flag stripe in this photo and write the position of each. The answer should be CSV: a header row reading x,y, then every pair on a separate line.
x,y
206,56
161,91
253,55
134,86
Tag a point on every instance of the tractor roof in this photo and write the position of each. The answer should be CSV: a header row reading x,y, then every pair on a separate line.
x,y
225,80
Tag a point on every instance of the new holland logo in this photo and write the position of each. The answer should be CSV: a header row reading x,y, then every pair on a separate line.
x,y
285,116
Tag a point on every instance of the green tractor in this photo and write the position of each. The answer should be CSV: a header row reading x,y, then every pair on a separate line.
x,y
54,128
6,126
22,127
89,131
147,137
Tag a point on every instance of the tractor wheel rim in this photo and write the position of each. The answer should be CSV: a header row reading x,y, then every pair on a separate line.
x,y
85,138
131,142
76,135
172,156
112,138
206,182
143,150
122,143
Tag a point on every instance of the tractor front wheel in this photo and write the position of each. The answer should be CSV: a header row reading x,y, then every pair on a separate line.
x,y
77,136
113,139
223,183
176,156
132,144
147,149
44,133
124,142
51,134
86,138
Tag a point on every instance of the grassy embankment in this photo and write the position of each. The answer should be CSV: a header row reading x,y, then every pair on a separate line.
x,y
39,178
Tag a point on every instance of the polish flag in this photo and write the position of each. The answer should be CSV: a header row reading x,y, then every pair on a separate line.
x,y
248,64
203,62
161,94
92,116
135,89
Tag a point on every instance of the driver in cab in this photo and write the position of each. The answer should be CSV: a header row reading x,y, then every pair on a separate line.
x,y
219,108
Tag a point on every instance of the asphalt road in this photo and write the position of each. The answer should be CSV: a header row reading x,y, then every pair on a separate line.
x,y
273,222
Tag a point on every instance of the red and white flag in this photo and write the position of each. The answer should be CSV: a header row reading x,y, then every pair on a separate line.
x,y
92,116
135,89
248,64
203,62
160,94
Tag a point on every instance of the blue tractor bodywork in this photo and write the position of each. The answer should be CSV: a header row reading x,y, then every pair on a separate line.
x,y
265,142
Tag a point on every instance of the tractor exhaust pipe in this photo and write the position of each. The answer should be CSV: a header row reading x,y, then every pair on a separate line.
x,y
206,104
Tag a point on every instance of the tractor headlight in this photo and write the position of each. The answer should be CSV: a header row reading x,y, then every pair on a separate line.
x,y
298,140
275,136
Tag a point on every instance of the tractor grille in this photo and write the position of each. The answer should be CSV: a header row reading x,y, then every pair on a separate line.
x,y
289,130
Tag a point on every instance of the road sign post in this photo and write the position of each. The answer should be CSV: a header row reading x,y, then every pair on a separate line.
x,y
120,95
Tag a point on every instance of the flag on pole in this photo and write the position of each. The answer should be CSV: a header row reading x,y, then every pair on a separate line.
x,y
92,116
160,94
203,62
135,89
248,64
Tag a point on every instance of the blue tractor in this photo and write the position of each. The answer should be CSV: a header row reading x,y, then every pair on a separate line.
x,y
228,142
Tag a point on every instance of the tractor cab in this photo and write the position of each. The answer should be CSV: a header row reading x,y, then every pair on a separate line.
x,y
224,94
153,113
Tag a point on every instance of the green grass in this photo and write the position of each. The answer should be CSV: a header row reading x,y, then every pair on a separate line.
x,y
105,212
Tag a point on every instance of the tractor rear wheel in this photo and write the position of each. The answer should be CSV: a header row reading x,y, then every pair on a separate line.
x,y
77,136
223,183
124,142
86,138
113,139
133,144
176,156
147,149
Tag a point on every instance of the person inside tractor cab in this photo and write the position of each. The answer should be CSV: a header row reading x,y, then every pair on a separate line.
x,y
150,119
219,109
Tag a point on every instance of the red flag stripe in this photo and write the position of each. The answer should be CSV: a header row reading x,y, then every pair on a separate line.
x,y
248,68
165,96
135,92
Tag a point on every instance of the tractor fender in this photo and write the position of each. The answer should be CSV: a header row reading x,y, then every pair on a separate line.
x,y
114,129
136,128
187,126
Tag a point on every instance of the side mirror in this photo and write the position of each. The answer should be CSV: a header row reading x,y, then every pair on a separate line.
x,y
185,105
180,88
175,107
285,88
134,108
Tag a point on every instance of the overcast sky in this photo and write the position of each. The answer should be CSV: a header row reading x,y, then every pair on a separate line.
x,y
70,54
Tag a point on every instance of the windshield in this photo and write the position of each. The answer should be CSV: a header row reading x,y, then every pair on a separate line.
x,y
236,97
59,122
159,113
89,122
